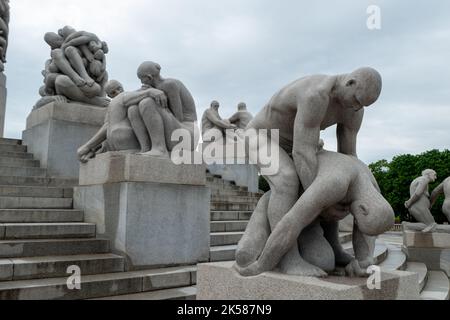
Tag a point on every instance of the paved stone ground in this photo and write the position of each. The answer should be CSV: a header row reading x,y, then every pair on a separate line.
x,y
392,238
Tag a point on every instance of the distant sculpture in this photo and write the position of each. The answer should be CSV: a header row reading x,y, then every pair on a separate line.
x,y
143,121
344,185
4,31
76,71
419,204
443,188
213,125
241,118
300,111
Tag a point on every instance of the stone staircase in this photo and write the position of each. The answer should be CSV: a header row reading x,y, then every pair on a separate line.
x,y
41,236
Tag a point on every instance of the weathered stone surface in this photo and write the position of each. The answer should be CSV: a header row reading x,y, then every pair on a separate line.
x,y
3,93
436,259
55,131
219,281
114,167
243,175
6,270
426,240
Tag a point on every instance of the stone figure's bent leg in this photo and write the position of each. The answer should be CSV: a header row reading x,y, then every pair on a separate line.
x,y
423,215
150,112
315,248
256,234
64,86
285,186
66,68
122,138
77,64
331,233
139,128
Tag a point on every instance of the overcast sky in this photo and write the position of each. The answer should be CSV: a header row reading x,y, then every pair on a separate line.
x,y
246,50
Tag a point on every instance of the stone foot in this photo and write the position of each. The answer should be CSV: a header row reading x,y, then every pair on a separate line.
x,y
299,267
156,153
430,228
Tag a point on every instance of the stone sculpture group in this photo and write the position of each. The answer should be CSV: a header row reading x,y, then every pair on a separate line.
x,y
77,68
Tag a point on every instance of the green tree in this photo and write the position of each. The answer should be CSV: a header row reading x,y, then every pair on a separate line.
x,y
395,178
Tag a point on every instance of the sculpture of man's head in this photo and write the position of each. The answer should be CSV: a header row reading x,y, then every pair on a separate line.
x,y
361,88
54,40
66,31
113,88
215,105
149,71
242,106
430,174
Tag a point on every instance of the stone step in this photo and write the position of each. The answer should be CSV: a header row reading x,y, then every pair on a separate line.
x,y
12,148
35,203
226,206
10,141
219,181
52,247
40,216
98,286
235,193
230,215
11,231
18,162
225,238
56,266
22,172
17,155
380,253
234,199
395,260
422,271
185,293
38,192
228,226
222,253
437,287
37,181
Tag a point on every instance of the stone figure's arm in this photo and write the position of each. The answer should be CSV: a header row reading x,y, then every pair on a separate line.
x,y
133,98
302,214
364,247
87,53
347,134
218,122
436,193
420,190
234,118
79,38
306,137
95,141
173,91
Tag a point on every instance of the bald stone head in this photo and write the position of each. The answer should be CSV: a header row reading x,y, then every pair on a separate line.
x,y
215,105
148,71
113,88
361,88
242,106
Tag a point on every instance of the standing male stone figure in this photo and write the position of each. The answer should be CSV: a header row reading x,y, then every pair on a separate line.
x,y
300,111
419,204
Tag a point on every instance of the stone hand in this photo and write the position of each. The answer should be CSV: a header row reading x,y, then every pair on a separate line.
x,y
160,98
407,204
82,153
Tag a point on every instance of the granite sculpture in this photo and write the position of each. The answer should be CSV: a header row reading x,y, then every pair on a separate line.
x,y
4,31
300,111
76,71
242,117
143,121
442,189
344,185
419,204
213,126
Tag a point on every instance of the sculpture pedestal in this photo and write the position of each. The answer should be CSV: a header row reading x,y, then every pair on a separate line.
x,y
219,281
3,93
432,248
154,212
55,131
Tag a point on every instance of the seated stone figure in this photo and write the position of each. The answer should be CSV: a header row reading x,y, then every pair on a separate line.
x,y
145,120
213,125
443,188
343,185
242,118
419,204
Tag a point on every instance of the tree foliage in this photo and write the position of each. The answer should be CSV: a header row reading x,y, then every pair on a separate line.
x,y
395,178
